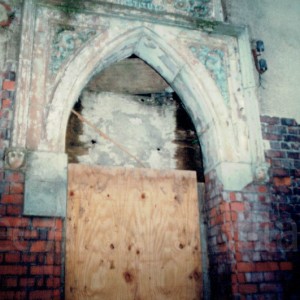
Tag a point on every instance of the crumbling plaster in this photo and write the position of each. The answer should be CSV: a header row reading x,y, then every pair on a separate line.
x,y
150,131
146,130
228,129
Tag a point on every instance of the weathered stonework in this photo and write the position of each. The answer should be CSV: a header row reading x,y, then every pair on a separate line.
x,y
15,158
252,232
209,83
261,173
195,8
65,42
213,59
46,184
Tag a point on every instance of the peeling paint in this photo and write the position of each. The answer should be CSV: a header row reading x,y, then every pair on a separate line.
x,y
213,59
66,40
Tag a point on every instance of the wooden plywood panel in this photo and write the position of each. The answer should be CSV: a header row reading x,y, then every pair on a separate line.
x,y
132,234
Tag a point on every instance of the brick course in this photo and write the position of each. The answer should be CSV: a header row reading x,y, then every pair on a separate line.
x,y
260,225
30,248
251,233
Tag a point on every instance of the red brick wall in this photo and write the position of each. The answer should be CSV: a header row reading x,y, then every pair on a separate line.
x,y
253,234
219,237
30,248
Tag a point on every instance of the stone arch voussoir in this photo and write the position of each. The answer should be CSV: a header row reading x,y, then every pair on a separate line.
x,y
199,94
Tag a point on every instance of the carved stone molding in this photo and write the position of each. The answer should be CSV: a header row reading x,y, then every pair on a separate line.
x,y
15,158
210,72
261,174
213,60
193,8
65,42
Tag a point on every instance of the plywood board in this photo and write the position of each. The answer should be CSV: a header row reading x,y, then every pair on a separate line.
x,y
132,234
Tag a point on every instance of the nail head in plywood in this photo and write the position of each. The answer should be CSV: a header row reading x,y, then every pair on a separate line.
x,y
141,242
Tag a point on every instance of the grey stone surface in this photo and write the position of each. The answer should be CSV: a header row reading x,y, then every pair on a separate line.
x,y
46,184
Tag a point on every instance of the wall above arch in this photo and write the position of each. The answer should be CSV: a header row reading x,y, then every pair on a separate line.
x,y
209,68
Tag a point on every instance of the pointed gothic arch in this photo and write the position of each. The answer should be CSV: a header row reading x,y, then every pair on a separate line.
x,y
230,145
199,94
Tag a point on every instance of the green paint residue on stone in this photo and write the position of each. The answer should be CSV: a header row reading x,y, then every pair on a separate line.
x,y
68,7
213,60
142,4
65,42
206,25
193,8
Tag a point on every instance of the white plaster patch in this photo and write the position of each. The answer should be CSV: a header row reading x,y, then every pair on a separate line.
x,y
136,121
145,128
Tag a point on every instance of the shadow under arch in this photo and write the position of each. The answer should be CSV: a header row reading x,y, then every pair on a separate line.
x,y
199,94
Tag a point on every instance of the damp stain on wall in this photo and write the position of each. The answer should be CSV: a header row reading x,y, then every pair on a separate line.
x,y
74,147
152,126
188,152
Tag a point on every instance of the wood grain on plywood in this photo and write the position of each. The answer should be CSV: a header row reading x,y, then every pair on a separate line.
x,y
132,234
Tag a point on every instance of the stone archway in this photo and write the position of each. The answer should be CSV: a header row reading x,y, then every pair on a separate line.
x,y
201,67
181,76
189,78
209,68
